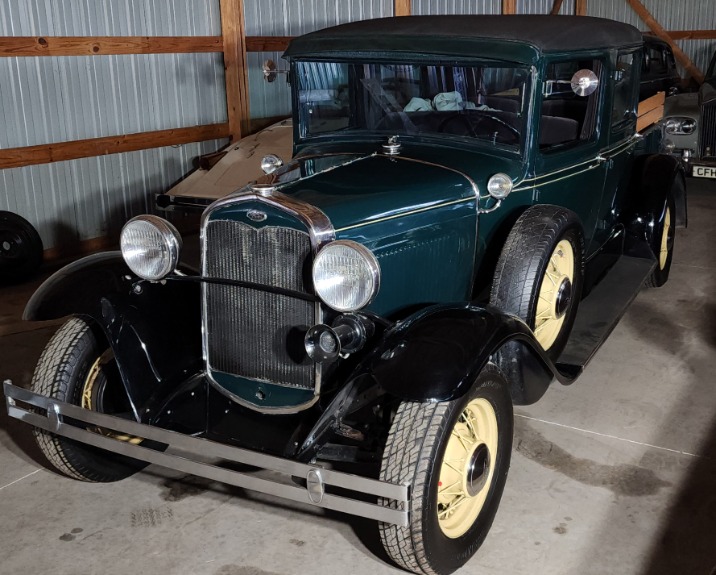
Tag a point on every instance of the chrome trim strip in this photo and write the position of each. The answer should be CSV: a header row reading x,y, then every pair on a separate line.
x,y
599,158
193,446
321,232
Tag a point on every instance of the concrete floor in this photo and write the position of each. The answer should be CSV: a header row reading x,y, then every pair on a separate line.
x,y
613,475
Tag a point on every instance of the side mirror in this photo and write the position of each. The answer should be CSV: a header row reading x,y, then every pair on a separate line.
x,y
584,82
271,72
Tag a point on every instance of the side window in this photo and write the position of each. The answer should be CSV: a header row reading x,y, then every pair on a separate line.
x,y
625,95
569,116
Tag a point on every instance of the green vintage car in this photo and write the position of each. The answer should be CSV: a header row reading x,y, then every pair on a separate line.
x,y
468,212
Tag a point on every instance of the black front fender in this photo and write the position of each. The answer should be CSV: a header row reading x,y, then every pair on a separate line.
x,y
437,354
154,329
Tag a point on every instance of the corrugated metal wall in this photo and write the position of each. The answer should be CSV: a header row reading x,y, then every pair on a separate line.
x,y
56,99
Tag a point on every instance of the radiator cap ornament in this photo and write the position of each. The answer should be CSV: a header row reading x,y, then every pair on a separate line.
x,y
263,189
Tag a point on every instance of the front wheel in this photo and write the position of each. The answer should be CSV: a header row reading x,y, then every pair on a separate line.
x,y
76,368
455,455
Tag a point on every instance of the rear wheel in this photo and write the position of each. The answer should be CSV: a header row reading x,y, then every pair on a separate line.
x,y
76,368
455,456
662,239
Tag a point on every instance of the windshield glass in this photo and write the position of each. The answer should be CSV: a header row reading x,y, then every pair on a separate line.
x,y
486,102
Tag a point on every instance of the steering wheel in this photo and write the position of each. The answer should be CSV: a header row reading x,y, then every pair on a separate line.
x,y
463,118
510,128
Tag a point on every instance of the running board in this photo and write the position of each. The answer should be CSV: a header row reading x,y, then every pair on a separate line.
x,y
600,312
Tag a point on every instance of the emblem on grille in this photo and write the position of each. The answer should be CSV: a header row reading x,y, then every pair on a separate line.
x,y
256,215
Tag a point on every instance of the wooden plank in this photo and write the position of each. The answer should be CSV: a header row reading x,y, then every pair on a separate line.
x,y
692,34
650,103
237,86
580,7
556,6
403,8
106,45
267,43
509,6
63,151
649,118
658,29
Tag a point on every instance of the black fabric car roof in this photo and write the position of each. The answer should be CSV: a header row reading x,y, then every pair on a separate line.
x,y
430,34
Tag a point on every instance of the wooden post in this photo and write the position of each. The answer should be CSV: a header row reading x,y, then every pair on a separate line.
x,y
509,6
580,7
233,32
658,29
402,8
556,7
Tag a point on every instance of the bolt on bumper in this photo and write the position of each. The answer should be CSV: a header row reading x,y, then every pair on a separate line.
x,y
71,421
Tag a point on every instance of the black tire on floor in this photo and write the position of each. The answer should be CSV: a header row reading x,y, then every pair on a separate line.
x,y
662,237
20,247
73,358
441,536
527,263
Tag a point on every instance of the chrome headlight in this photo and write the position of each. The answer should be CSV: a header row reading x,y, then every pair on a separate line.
x,y
346,275
680,126
150,246
499,186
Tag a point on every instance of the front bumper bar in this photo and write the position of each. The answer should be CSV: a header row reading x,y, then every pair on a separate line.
x,y
71,421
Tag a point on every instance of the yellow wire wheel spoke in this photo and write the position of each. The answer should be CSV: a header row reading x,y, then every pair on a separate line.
x,y
467,468
554,294
90,391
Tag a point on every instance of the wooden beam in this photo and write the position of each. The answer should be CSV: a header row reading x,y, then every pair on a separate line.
x,y
692,34
267,43
658,29
237,86
63,151
106,45
509,6
580,7
402,8
556,6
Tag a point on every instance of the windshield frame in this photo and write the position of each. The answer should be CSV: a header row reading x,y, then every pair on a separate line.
x,y
351,133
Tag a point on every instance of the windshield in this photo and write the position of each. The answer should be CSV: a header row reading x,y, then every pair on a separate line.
x,y
485,102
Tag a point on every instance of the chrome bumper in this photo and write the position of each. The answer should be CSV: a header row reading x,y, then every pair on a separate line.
x,y
192,449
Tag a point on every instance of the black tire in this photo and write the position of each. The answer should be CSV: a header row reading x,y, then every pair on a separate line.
x,y
20,248
62,373
523,268
414,454
662,237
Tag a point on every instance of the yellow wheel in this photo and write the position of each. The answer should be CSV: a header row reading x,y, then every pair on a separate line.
x,y
94,392
664,251
660,233
455,456
555,294
539,276
467,468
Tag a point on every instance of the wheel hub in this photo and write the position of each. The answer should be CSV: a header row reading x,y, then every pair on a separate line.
x,y
563,298
478,470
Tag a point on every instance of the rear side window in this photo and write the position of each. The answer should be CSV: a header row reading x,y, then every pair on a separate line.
x,y
568,117
625,97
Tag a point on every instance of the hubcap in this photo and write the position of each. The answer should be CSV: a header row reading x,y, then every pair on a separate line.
x,y
92,392
467,468
664,252
555,295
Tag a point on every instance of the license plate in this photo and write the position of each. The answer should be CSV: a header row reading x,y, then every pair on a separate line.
x,y
704,172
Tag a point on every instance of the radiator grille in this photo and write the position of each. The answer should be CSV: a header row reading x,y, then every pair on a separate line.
x,y
252,333
708,131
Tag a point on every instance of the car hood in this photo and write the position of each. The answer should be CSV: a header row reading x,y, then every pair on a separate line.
x,y
367,186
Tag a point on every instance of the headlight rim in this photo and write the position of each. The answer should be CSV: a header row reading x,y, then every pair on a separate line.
x,y
172,239
373,268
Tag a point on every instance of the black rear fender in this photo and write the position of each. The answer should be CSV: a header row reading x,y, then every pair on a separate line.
x,y
653,176
437,354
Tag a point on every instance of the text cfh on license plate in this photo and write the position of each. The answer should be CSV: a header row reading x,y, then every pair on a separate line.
x,y
704,172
